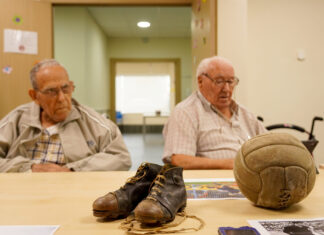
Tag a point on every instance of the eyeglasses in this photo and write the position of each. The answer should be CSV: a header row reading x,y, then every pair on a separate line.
x,y
53,92
220,81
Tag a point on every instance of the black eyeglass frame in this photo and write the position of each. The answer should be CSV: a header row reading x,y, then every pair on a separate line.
x,y
222,81
53,92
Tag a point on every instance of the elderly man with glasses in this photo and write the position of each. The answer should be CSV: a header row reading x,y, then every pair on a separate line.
x,y
55,133
206,130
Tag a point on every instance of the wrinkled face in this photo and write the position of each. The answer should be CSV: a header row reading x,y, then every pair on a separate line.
x,y
219,95
53,94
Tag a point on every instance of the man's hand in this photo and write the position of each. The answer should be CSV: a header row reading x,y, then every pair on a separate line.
x,y
193,163
49,167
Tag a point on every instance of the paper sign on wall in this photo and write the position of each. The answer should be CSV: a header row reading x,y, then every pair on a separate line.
x,y
18,41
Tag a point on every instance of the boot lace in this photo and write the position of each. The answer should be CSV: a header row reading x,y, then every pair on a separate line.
x,y
156,187
140,173
131,226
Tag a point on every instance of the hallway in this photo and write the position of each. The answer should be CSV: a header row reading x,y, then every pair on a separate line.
x,y
144,149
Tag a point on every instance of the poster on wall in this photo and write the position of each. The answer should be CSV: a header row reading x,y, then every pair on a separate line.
x,y
19,41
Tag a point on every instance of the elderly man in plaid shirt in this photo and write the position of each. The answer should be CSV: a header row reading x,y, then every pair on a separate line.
x,y
55,133
206,130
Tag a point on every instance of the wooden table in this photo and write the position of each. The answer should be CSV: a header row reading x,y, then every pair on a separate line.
x,y
65,199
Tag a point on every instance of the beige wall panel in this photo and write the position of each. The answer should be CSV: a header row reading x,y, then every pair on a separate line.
x,y
36,16
232,41
285,63
124,2
203,32
278,59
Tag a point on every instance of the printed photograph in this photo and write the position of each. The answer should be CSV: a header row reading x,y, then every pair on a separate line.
x,y
216,189
293,226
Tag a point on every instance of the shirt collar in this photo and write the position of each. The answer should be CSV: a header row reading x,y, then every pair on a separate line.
x,y
31,118
234,106
74,113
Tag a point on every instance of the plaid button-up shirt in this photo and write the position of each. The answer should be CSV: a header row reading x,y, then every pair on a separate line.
x,y
196,128
48,147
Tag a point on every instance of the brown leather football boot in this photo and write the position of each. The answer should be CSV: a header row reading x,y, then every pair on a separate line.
x,y
123,201
167,197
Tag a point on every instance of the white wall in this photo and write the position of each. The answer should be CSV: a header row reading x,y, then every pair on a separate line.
x,y
274,83
232,40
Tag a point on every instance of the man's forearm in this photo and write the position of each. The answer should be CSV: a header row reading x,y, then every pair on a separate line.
x,y
192,162
102,162
16,164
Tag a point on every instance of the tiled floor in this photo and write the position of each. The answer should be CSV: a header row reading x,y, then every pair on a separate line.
x,y
144,149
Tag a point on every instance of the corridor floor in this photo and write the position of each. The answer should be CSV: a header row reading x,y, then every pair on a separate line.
x,y
148,148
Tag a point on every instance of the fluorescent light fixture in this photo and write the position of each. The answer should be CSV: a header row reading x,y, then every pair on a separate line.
x,y
143,24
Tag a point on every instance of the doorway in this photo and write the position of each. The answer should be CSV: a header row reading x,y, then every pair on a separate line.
x,y
89,51
144,87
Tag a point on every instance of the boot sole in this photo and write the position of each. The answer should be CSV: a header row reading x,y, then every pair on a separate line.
x,y
152,220
106,214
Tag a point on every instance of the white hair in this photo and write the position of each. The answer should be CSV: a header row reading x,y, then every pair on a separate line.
x,y
42,64
206,64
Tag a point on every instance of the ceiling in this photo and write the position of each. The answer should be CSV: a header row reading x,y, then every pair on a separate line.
x,y
119,22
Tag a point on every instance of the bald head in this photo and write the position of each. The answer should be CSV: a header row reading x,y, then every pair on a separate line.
x,y
40,65
213,63
216,82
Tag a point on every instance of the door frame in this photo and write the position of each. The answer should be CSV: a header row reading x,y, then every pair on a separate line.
x,y
112,83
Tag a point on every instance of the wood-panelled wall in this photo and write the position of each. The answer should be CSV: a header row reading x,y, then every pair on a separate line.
x,y
35,16
203,33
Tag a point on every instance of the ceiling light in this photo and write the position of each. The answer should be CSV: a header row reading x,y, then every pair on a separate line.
x,y
143,24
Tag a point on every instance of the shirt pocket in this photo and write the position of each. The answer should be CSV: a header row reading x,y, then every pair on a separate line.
x,y
218,139
209,138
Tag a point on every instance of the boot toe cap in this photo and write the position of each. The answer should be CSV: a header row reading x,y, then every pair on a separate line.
x,y
106,203
149,211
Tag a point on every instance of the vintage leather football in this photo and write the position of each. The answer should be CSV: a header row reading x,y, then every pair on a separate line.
x,y
274,170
